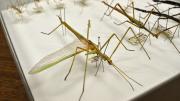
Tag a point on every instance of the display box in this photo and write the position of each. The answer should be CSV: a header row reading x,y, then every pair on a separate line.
x,y
28,45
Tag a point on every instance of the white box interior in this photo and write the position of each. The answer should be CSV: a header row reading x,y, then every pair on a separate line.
x,y
31,45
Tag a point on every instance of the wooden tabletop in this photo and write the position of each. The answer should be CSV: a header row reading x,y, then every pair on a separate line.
x,y
11,87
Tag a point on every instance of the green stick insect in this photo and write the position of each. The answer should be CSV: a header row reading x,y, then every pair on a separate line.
x,y
138,23
90,48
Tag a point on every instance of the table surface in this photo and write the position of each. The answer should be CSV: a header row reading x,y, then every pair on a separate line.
x,y
11,87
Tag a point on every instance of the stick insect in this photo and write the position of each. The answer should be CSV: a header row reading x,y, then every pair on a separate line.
x,y
90,48
138,23
169,34
38,8
159,14
17,8
161,29
133,21
126,9
57,4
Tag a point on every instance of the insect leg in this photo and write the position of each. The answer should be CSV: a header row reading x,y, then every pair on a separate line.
x,y
148,17
133,10
169,38
84,78
98,67
61,23
119,42
174,32
101,59
106,11
178,30
120,23
113,8
148,36
128,4
73,61
104,52
139,41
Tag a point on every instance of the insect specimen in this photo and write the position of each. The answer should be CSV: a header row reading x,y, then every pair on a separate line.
x,y
82,3
89,47
133,21
134,41
169,34
17,8
138,23
126,9
176,5
161,29
158,13
57,4
38,8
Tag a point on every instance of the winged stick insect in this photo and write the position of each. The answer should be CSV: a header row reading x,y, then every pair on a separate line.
x,y
89,48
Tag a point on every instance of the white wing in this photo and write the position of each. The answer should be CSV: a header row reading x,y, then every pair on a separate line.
x,y
56,57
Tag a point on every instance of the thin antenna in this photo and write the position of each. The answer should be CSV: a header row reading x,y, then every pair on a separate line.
x,y
89,26
60,14
65,19
149,34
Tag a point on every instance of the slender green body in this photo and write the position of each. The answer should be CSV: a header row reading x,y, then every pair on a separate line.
x,y
90,45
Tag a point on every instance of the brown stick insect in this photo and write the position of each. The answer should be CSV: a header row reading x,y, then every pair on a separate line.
x,y
138,23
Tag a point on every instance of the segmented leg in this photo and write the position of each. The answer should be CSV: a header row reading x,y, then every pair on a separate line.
x,y
106,11
102,59
113,8
73,62
120,41
84,78
138,41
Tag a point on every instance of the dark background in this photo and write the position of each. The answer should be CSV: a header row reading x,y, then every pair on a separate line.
x,y
12,89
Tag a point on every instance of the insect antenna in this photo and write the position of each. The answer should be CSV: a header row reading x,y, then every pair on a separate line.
x,y
64,18
125,76
99,49
101,61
